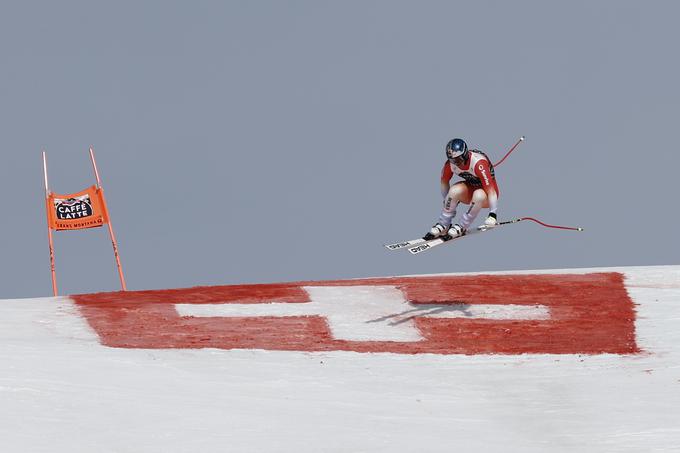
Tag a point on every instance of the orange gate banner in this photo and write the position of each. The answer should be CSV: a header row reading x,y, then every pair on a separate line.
x,y
85,209
78,211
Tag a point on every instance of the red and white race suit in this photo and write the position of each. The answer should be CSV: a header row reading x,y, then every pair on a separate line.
x,y
479,188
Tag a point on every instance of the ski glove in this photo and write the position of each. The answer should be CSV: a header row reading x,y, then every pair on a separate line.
x,y
491,221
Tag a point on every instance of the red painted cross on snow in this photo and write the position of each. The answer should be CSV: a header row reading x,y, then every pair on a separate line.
x,y
588,313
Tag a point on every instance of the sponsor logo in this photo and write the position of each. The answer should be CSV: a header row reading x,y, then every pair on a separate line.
x,y
419,248
73,208
484,175
397,246
96,222
472,206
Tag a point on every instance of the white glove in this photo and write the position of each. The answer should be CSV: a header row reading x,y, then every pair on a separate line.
x,y
490,221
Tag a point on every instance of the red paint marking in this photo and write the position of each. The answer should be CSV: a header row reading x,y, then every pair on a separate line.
x,y
590,314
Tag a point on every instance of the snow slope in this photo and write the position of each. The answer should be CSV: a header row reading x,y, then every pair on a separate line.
x,y
62,390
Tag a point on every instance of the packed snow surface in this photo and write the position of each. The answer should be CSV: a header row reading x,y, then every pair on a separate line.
x,y
61,390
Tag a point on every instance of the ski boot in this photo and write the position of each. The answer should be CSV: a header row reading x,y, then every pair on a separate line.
x,y
438,230
456,231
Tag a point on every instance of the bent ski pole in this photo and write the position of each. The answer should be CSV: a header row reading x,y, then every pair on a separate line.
x,y
521,139
541,223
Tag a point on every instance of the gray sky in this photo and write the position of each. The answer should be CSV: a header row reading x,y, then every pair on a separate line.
x,y
272,141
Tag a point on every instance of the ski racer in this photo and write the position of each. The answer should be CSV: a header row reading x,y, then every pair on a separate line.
x,y
478,189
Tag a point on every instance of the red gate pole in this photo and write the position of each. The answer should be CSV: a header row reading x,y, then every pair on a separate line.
x,y
49,227
106,209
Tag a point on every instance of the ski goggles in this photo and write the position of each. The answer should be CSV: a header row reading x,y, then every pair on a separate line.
x,y
459,159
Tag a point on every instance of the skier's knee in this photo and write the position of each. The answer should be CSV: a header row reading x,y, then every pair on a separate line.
x,y
456,192
479,197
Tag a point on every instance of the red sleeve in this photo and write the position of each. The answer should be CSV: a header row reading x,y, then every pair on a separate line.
x,y
483,172
447,173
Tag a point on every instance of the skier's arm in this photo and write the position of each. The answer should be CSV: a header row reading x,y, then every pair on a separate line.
x,y
447,174
483,172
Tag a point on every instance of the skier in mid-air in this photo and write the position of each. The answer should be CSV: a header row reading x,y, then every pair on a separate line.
x,y
478,189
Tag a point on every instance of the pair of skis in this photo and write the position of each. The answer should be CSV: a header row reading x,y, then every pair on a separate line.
x,y
416,246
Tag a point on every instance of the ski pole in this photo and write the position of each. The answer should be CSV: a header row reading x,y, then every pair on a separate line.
x,y
521,139
540,223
